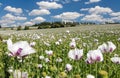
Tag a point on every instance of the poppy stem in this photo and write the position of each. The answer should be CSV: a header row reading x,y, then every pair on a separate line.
x,y
96,70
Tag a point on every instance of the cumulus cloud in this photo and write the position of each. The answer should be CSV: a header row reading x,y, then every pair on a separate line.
x,y
48,5
96,18
92,1
38,20
116,18
5,22
28,23
13,9
12,17
39,12
100,10
97,13
8,19
34,21
93,18
68,15
115,14
84,9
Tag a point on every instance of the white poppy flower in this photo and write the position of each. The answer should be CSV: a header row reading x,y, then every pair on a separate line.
x,y
103,47
32,43
60,40
67,31
21,48
57,43
68,67
40,66
75,54
94,55
58,60
109,47
47,60
19,74
115,60
72,44
47,77
90,76
49,52
41,57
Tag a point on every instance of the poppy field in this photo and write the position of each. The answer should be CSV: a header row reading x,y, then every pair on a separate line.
x,y
75,52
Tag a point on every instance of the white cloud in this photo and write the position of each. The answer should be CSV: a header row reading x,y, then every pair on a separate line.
x,y
20,18
100,10
1,4
49,5
13,9
93,18
96,14
39,12
38,20
5,22
116,18
92,1
96,18
68,15
76,0
84,9
8,19
115,14
28,23
26,10
14,18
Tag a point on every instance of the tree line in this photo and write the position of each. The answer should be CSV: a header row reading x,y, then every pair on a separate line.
x,y
58,24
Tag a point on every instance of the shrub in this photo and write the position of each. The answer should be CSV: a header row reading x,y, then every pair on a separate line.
x,y
55,26
44,26
0,26
12,28
19,28
26,28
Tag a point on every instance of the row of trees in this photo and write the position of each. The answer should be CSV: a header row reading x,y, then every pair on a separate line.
x,y
44,25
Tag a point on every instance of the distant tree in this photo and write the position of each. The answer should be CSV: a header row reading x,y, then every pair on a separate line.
x,y
12,28
19,28
57,25
26,28
45,23
1,38
0,26
44,26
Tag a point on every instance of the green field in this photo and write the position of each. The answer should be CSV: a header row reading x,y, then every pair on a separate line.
x,y
87,37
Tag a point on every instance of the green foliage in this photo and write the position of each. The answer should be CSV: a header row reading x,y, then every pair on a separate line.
x,y
0,26
19,28
26,28
44,26
12,28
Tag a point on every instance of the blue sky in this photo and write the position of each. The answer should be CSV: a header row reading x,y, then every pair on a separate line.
x,y
29,12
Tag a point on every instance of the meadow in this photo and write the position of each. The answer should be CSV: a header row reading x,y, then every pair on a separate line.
x,y
61,52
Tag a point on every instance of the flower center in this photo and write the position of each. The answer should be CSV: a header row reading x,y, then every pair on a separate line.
x,y
18,51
